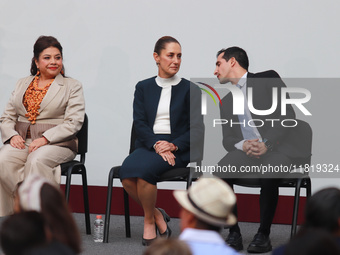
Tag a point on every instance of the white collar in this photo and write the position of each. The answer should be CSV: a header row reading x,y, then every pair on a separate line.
x,y
167,82
201,235
243,80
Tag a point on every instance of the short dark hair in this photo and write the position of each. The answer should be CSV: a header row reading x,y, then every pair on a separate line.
x,y
22,231
162,42
235,52
42,43
323,210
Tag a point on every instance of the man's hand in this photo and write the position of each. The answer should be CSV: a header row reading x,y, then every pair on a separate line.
x,y
254,148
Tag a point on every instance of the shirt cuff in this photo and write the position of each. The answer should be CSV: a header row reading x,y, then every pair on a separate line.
x,y
239,145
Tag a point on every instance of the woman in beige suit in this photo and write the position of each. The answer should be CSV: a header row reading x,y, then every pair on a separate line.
x,y
40,121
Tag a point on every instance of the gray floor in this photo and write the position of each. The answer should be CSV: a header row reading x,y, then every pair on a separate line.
x,y
119,244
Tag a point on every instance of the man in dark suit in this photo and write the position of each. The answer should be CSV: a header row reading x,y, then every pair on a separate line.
x,y
254,138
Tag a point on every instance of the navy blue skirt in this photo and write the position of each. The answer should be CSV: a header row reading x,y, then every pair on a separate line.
x,y
147,164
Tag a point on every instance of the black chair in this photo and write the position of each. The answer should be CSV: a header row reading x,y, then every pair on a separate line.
x,y
300,138
174,175
78,167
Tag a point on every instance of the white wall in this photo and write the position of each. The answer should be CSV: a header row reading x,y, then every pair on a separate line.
x,y
108,46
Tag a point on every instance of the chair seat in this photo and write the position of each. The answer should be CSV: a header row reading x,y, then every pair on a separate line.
x,y
285,182
67,165
177,174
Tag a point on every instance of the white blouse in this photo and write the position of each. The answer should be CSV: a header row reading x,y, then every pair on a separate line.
x,y
162,121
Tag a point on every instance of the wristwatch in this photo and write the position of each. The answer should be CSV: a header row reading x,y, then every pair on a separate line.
x,y
268,144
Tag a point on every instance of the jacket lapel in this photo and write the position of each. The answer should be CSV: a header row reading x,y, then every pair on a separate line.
x,y
52,92
22,93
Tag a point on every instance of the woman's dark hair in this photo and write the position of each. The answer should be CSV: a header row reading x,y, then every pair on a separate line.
x,y
58,217
238,53
21,232
42,43
312,242
323,210
162,42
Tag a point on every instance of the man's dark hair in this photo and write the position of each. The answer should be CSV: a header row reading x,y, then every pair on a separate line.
x,y
238,53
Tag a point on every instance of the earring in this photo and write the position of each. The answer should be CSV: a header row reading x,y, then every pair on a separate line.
x,y
38,73
62,72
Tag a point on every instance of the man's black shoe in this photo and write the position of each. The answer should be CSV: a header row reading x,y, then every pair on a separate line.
x,y
234,240
260,244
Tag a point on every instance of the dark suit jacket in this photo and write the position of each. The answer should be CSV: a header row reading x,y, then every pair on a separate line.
x,y
262,84
185,119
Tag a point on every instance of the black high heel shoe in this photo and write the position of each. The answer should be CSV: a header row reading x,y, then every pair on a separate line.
x,y
148,242
166,217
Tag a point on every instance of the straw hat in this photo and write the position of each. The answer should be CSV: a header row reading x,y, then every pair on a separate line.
x,y
210,199
29,192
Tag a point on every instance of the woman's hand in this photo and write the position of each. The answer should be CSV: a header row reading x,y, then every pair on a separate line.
x,y
169,157
163,146
36,144
17,142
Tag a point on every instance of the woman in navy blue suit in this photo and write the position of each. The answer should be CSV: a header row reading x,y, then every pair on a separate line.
x,y
161,114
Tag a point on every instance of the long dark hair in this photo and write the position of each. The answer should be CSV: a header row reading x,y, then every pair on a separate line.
x,y
58,217
42,43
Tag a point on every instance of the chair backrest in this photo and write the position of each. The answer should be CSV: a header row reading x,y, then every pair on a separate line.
x,y
298,143
82,136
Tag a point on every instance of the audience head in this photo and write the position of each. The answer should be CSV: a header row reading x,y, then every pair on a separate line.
x,y
323,210
37,193
207,204
169,246
312,242
22,232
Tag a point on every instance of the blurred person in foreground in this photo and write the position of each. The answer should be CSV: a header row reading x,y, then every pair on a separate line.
x,y
169,246
39,194
322,213
205,208
25,233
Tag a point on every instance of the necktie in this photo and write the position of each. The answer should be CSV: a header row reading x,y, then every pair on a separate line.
x,y
247,131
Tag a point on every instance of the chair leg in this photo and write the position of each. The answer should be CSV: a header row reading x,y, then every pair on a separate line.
x,y
127,214
86,201
296,207
68,184
189,178
308,188
108,207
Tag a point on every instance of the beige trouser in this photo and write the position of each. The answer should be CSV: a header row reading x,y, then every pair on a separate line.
x,y
16,164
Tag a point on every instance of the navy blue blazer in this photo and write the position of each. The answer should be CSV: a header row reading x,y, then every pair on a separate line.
x,y
262,84
186,121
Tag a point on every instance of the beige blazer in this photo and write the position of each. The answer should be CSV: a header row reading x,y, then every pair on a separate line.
x,y
61,113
